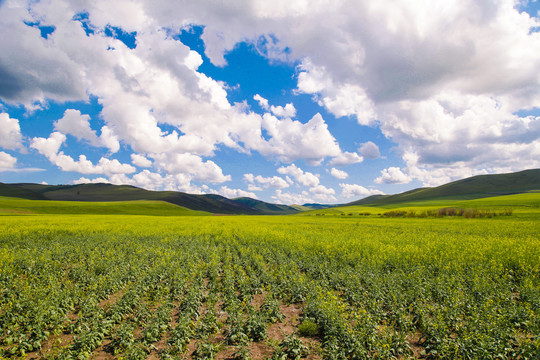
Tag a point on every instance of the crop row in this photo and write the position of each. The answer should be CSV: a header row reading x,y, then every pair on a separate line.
x,y
363,292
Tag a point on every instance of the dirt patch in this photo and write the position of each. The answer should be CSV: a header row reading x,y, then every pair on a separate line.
x,y
51,346
260,350
101,353
258,300
111,300
289,323
415,342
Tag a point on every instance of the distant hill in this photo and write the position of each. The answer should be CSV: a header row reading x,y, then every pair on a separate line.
x,y
108,192
11,205
265,207
476,187
15,191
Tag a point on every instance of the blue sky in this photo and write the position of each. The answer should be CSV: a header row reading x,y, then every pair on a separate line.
x,y
283,101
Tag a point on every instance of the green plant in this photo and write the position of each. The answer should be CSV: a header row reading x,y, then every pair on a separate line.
x,y
308,328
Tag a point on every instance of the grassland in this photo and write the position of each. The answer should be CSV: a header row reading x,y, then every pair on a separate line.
x,y
280,287
521,205
10,206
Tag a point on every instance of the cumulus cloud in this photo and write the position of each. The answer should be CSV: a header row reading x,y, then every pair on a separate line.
x,y
83,180
302,177
374,62
267,182
193,166
50,147
346,158
323,193
7,162
54,74
78,125
443,80
340,99
354,190
253,187
287,111
10,133
369,150
150,180
291,198
140,161
291,140
235,193
393,175
338,174
263,103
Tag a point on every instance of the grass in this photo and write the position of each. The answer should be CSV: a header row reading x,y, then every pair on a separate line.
x,y
526,204
11,206
361,286
475,187
108,277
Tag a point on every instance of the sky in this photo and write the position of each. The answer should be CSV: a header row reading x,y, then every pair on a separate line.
x,y
286,101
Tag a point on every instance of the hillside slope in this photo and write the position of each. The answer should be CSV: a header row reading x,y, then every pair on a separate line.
x,y
10,205
265,207
108,192
475,187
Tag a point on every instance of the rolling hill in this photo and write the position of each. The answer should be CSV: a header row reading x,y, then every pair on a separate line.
x,y
476,187
108,192
11,206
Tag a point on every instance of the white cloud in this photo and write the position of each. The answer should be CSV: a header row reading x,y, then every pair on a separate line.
x,y
190,165
346,158
109,140
235,193
443,80
273,182
10,133
263,103
7,162
323,193
353,190
338,174
252,187
140,161
31,69
290,198
291,140
287,111
340,99
369,61
151,181
83,180
78,125
369,150
393,175
50,148
304,178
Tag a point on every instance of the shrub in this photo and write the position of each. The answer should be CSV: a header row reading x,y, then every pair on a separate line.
x,y
308,328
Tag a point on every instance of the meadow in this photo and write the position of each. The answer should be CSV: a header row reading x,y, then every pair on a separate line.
x,y
88,286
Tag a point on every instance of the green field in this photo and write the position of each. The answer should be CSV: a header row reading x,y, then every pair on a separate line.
x,y
282,287
10,206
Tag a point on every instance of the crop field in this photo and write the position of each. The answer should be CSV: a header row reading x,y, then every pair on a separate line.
x,y
269,287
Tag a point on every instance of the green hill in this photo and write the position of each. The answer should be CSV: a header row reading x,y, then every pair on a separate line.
x,y
15,191
109,192
476,187
10,206
265,207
